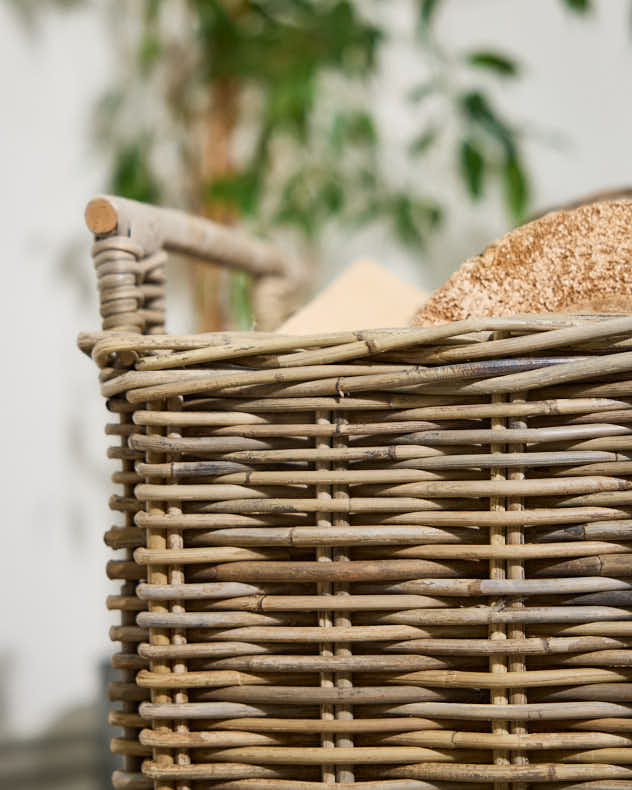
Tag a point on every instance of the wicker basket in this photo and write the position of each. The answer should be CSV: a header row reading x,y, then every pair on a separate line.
x,y
393,559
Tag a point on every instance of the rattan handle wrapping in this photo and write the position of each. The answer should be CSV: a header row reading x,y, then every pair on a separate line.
x,y
131,240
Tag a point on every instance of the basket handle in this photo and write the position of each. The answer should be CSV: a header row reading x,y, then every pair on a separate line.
x,y
131,240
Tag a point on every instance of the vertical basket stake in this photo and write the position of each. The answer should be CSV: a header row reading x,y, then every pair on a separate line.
x,y
158,636
344,773
178,637
498,663
515,571
325,620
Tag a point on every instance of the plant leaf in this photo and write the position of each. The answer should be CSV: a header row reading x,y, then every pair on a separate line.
x,y
331,197
404,220
421,91
149,52
238,191
472,165
516,187
295,207
478,110
413,217
579,6
132,175
424,141
152,10
427,10
493,61
241,299
356,127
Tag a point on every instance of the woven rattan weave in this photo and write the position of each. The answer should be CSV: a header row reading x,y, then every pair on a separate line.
x,y
394,559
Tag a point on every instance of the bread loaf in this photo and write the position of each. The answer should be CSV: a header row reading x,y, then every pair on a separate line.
x,y
566,261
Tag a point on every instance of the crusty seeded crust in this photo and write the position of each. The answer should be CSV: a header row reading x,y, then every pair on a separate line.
x,y
565,261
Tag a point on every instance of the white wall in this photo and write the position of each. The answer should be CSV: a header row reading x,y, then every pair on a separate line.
x,y
54,507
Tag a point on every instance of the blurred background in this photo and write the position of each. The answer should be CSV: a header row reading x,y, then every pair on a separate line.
x,y
409,132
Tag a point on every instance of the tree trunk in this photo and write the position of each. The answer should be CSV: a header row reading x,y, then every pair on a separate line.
x,y
210,284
